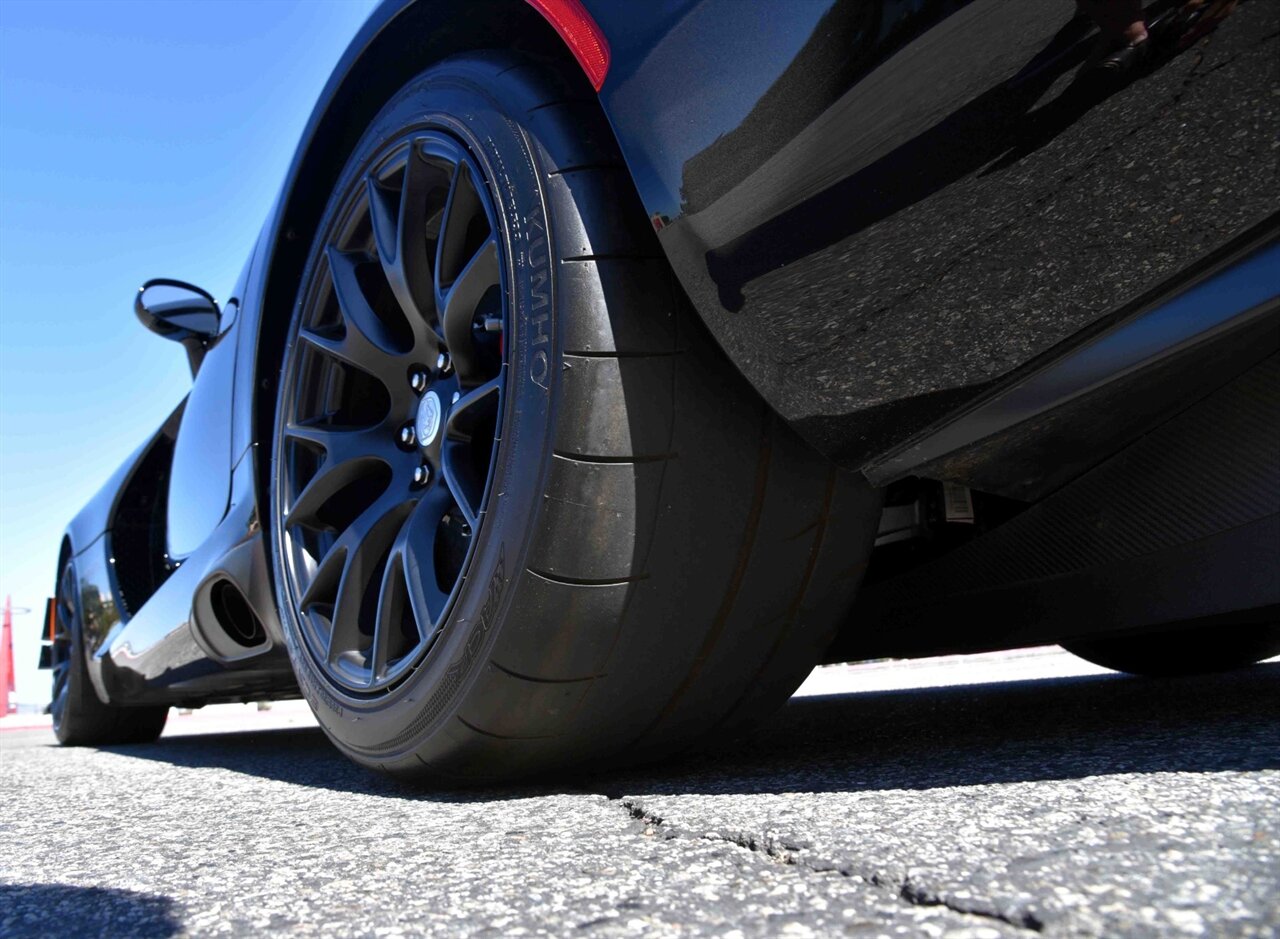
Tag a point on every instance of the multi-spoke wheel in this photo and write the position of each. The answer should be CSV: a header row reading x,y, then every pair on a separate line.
x,y
61,648
524,514
79,717
392,409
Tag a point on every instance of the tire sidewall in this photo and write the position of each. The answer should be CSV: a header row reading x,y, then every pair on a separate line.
x,y
77,671
464,98
84,719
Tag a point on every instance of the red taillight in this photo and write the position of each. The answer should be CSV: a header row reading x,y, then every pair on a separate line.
x,y
581,35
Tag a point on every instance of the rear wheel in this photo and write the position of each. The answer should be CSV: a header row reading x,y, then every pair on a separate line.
x,y
525,515
1187,651
79,716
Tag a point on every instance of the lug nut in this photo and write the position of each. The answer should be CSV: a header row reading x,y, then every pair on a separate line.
x,y
407,436
418,380
422,475
443,365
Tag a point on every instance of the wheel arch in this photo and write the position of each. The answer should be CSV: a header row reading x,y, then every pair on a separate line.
x,y
400,39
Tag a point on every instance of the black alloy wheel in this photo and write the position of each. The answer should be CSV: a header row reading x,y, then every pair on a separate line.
x,y
392,412
524,513
80,718
61,650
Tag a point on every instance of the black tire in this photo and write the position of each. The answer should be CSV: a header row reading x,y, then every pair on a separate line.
x,y
80,719
655,556
1187,651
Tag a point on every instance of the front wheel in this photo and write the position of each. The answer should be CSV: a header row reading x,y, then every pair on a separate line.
x,y
79,716
525,515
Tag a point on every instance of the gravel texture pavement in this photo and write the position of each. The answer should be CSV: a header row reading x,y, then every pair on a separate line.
x,y
1094,805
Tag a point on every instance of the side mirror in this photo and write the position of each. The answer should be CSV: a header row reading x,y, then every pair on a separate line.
x,y
181,312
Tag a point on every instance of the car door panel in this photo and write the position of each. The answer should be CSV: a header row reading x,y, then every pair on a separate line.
x,y
200,480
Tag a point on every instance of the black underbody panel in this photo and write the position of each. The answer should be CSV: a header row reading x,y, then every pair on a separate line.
x,y
1180,526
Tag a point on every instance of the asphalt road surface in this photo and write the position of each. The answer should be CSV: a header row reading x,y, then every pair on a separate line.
x,y
1094,805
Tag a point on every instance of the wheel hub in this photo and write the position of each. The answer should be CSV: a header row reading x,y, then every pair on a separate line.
x,y
430,416
386,461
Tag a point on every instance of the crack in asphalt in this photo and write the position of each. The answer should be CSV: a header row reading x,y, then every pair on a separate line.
x,y
787,852
1194,74
920,895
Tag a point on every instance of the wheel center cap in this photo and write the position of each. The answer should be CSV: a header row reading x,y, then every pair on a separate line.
x,y
427,426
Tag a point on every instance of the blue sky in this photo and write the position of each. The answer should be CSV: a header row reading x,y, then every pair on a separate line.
x,y
137,140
